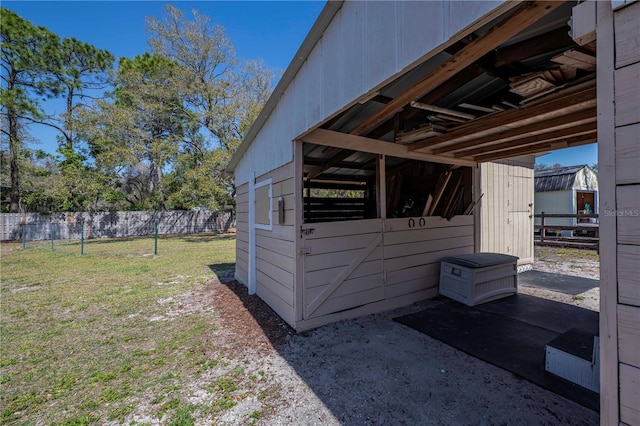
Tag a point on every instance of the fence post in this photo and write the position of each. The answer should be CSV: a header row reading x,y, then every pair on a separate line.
x,y
155,238
542,230
24,236
51,235
82,239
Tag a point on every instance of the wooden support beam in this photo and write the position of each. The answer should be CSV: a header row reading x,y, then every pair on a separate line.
x,y
527,14
446,111
360,143
530,140
551,41
537,148
499,121
331,162
565,120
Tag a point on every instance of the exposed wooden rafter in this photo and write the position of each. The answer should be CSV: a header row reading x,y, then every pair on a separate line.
x,y
527,14
560,121
331,162
537,148
501,121
553,136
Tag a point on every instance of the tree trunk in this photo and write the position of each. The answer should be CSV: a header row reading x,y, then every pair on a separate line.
x,y
14,143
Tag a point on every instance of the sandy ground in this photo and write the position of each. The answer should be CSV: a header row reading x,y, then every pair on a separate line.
x,y
374,371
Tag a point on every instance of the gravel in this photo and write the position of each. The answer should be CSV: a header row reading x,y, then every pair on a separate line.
x,y
374,371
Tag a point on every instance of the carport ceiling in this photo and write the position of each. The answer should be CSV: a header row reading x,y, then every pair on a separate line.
x,y
519,85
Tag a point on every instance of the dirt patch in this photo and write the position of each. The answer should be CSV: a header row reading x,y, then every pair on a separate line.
x,y
372,370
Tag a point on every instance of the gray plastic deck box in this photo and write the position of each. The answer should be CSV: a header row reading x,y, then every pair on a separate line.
x,y
477,278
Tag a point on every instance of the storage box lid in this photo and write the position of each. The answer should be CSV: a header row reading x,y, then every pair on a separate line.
x,y
480,260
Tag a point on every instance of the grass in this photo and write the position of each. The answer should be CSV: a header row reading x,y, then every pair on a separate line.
x,y
94,338
553,254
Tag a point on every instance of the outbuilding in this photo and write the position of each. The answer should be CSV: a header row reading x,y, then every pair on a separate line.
x,y
399,125
570,190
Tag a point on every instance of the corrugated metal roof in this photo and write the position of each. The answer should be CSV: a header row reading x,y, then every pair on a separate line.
x,y
559,179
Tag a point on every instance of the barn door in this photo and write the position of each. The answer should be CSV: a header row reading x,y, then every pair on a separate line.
x,y
342,266
520,213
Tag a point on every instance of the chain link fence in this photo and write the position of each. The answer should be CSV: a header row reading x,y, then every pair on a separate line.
x,y
73,232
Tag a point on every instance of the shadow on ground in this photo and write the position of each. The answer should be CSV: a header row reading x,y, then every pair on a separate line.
x,y
373,371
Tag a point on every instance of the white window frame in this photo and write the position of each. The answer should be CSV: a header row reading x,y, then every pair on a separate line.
x,y
268,227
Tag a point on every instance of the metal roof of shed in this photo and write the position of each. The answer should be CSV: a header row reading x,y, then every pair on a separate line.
x,y
558,179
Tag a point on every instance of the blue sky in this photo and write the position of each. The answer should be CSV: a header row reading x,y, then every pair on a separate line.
x,y
271,30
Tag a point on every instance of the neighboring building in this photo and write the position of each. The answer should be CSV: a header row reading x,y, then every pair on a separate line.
x,y
566,190
362,170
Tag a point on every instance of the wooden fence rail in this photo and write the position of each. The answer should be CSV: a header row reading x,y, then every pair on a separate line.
x,y
584,233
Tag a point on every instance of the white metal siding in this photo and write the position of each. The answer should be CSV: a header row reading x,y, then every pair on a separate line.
x,y
365,45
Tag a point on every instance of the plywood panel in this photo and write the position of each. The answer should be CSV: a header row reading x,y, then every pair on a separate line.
x,y
427,246
628,276
337,259
628,214
431,222
339,229
285,311
350,286
281,261
426,258
421,235
627,35
629,334
627,95
337,244
628,153
278,175
350,301
413,273
283,187
629,394
279,275
284,247
325,276
279,232
283,292
425,283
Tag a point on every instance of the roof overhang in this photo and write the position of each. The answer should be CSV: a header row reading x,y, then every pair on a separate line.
x,y
520,85
510,85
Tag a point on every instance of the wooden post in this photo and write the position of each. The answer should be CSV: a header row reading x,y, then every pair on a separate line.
x,y
542,230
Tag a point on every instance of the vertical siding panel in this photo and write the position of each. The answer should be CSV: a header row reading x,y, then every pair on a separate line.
x,y
380,41
414,35
332,65
352,63
315,93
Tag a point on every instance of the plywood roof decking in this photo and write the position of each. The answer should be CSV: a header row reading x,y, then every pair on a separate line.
x,y
519,86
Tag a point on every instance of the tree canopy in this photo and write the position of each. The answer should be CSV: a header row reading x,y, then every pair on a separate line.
x,y
154,132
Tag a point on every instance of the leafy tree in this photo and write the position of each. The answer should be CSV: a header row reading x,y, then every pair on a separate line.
x,y
28,53
224,93
138,133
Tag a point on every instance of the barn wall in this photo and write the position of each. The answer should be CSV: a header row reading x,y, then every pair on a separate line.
x,y
242,233
359,51
354,268
618,121
504,222
275,260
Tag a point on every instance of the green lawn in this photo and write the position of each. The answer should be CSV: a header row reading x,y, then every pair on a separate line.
x,y
87,339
